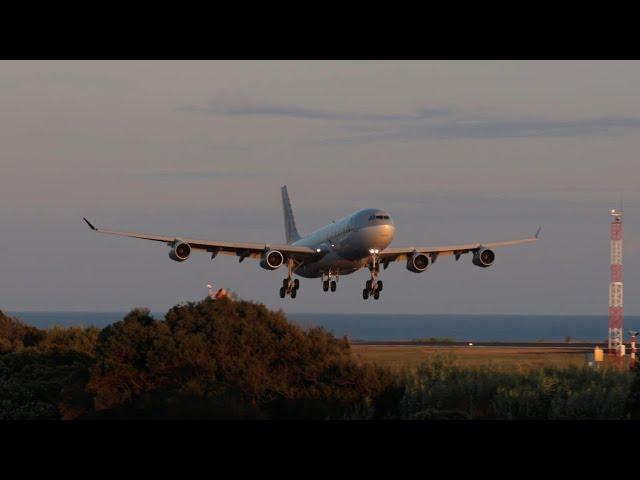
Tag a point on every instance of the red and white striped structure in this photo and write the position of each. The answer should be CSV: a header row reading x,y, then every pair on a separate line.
x,y
616,286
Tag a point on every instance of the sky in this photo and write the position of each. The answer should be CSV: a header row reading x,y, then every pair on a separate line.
x,y
456,152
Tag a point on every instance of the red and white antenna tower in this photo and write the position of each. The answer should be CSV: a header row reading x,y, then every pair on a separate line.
x,y
616,287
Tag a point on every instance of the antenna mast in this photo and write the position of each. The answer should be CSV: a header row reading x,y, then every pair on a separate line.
x,y
616,286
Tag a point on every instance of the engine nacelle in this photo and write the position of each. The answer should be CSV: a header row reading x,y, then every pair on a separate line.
x,y
271,260
418,262
180,251
484,257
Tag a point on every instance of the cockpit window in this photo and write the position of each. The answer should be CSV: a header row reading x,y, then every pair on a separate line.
x,y
378,217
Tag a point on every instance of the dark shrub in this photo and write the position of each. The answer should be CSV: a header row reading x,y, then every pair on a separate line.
x,y
441,389
43,386
15,335
225,359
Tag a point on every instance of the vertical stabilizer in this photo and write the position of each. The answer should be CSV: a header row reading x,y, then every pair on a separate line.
x,y
290,230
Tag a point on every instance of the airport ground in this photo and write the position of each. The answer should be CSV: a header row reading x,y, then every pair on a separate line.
x,y
398,355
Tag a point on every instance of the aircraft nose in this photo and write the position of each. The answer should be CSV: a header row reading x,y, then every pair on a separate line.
x,y
382,236
386,231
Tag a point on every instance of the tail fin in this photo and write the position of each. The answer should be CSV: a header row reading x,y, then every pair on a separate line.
x,y
290,229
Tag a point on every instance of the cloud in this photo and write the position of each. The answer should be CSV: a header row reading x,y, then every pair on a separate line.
x,y
194,175
440,122
238,105
491,128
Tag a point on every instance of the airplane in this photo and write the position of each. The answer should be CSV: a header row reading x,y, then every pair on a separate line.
x,y
342,247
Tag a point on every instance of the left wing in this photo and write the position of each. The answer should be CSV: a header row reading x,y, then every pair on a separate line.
x,y
402,253
239,249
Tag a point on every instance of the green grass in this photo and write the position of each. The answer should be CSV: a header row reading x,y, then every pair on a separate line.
x,y
400,357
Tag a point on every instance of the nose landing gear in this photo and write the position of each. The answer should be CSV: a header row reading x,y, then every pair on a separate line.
x,y
372,289
373,286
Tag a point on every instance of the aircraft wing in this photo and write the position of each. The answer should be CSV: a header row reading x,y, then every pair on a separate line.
x,y
402,253
239,249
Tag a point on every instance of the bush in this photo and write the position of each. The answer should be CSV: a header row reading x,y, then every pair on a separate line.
x,y
40,386
69,339
440,389
15,335
228,359
238,360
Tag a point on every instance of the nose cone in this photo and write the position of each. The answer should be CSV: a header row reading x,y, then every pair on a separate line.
x,y
375,230
378,236
384,235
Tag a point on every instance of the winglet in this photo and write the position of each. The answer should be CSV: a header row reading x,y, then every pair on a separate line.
x,y
89,223
538,231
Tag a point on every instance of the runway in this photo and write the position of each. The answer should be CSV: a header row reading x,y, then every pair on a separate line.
x,y
575,346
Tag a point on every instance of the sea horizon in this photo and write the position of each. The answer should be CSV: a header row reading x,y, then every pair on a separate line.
x,y
400,326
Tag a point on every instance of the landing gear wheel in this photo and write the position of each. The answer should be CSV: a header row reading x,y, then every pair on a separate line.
x,y
333,285
325,285
379,285
365,293
294,292
368,284
285,283
376,294
296,284
283,292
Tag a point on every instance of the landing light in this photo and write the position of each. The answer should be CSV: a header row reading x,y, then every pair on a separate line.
x,y
371,250
318,250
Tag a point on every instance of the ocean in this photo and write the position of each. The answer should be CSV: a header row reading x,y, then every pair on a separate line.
x,y
400,327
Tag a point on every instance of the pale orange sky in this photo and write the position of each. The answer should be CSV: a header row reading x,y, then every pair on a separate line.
x,y
455,151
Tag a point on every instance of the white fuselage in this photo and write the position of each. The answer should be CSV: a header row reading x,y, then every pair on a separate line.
x,y
347,242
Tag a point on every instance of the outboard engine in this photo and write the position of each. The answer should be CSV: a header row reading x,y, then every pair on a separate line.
x,y
271,260
484,257
180,251
418,262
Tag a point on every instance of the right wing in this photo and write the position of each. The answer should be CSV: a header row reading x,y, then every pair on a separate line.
x,y
394,254
239,249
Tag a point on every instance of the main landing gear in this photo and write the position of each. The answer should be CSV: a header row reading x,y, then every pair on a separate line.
x,y
290,286
373,286
330,281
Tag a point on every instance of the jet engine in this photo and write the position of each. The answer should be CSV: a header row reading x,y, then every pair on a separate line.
x,y
484,257
180,251
418,262
271,260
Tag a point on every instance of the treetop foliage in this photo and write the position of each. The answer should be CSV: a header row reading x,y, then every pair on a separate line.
x,y
211,359
224,359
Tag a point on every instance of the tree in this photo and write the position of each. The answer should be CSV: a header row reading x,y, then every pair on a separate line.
x,y
121,372
228,359
44,386
15,335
